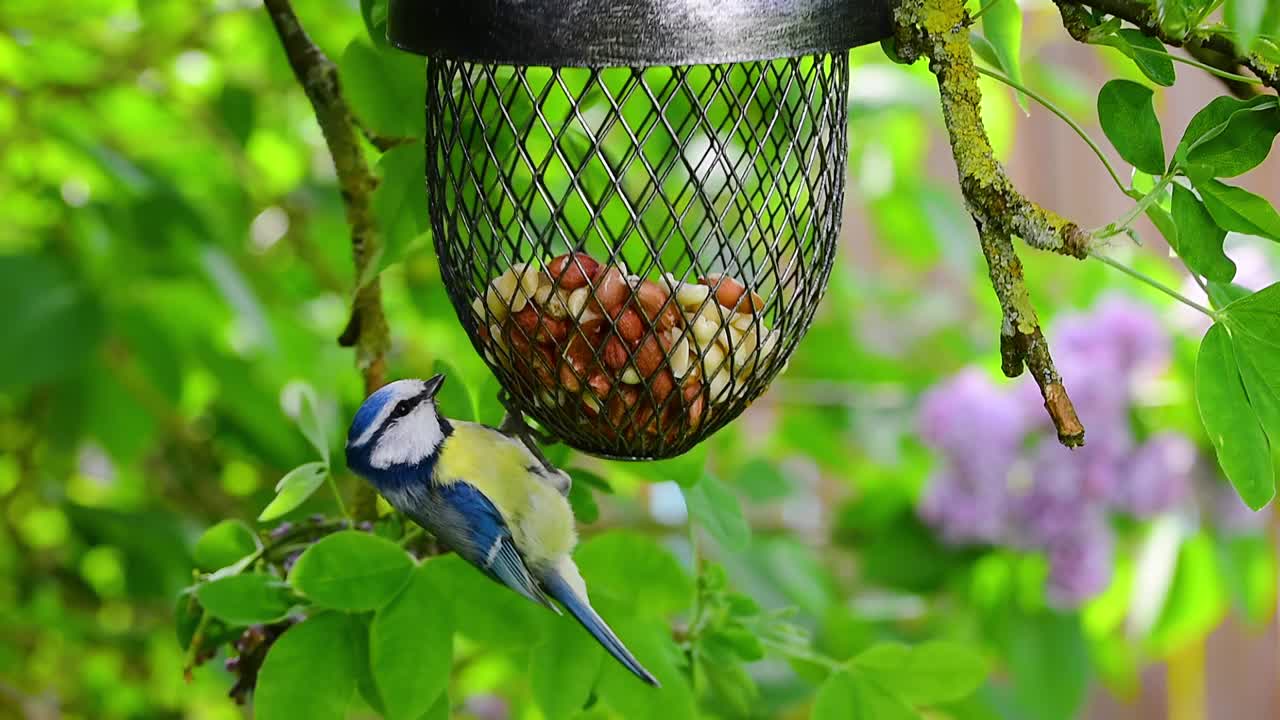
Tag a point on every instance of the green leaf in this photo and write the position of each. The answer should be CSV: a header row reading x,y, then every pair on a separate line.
x,y
294,489
365,685
223,544
304,407
761,480
585,509
1258,314
1257,351
186,616
635,571
982,48
374,13
1199,239
386,88
351,570
850,696
1129,120
1049,665
1260,369
715,506
53,320
400,204
684,470
732,689
1238,210
1002,27
1223,294
454,399
1230,421
1156,64
1209,120
1147,53
650,640
310,672
925,674
245,599
1197,599
1246,18
563,669
441,710
411,646
590,479
1248,565
487,612
1239,143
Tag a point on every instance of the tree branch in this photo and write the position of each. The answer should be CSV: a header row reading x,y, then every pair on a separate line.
x,y
367,329
1142,15
938,30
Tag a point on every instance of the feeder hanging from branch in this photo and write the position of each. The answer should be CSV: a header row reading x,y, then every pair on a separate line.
x,y
635,203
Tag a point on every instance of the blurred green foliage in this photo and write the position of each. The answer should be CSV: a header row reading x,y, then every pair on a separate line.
x,y
175,268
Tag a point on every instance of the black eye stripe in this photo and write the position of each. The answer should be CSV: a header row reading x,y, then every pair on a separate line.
x,y
406,406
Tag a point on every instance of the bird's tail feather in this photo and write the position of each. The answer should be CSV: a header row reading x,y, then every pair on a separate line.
x,y
580,608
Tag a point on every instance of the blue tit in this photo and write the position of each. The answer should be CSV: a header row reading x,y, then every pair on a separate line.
x,y
482,494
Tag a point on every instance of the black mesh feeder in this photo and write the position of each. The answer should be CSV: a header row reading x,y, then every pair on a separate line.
x,y
635,203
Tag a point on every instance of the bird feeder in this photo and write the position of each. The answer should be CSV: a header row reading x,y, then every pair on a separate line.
x,y
635,203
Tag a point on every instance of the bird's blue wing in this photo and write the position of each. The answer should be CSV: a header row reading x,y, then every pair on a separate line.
x,y
470,524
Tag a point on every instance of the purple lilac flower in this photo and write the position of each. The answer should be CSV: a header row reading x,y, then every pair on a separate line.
x,y
968,414
1157,477
965,512
1054,504
995,487
1080,563
1118,333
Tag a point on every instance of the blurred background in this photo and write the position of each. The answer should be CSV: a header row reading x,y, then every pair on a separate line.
x,y
175,263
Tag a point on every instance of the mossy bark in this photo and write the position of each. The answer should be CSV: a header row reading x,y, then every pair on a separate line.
x,y
367,329
939,30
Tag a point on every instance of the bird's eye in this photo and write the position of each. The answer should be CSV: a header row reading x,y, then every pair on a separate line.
x,y
402,408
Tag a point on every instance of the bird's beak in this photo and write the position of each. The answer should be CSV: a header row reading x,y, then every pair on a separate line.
x,y
433,386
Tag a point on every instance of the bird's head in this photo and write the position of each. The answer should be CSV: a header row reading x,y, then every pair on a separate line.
x,y
397,428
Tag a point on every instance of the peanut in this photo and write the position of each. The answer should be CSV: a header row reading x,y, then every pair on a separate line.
x,y
732,294
611,292
648,356
630,327
692,297
614,353
653,301
570,275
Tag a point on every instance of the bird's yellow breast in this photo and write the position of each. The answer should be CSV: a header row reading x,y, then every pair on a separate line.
x,y
540,519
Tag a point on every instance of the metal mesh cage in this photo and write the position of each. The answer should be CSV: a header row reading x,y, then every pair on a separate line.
x,y
636,251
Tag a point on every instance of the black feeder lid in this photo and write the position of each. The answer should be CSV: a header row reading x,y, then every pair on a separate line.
x,y
632,33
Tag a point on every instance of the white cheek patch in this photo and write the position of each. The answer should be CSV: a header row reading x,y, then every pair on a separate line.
x,y
410,440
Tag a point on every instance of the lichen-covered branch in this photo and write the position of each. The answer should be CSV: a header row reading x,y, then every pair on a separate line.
x,y
1142,14
938,30
367,329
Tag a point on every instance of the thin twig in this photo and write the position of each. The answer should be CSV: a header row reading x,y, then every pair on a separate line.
x,y
1155,284
1048,105
983,11
1197,64
1142,14
367,329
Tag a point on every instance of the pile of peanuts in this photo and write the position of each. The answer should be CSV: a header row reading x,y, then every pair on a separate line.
x,y
582,329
